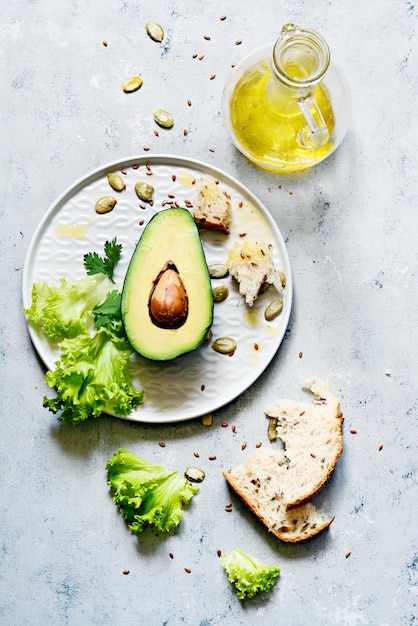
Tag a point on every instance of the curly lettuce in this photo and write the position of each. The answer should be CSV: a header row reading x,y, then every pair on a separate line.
x,y
63,310
146,494
248,575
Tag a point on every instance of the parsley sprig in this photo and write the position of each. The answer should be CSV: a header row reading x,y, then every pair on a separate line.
x,y
95,264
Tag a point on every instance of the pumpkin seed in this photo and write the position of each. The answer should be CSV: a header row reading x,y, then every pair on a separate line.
x,y
163,118
273,310
272,429
217,270
133,83
154,31
105,204
220,293
194,474
224,345
116,182
144,191
282,277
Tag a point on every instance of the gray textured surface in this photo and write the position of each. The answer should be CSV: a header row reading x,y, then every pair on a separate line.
x,y
350,226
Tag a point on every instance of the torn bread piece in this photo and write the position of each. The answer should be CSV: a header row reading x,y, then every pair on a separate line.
x,y
313,441
212,209
251,265
257,481
278,484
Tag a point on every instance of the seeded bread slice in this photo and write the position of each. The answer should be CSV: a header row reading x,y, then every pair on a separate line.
x,y
251,265
212,209
313,441
257,482
278,484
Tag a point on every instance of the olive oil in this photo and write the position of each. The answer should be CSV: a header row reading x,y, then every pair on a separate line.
x,y
268,124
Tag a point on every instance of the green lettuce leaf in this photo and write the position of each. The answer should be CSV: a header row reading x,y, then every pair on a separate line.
x,y
146,494
248,575
92,376
63,310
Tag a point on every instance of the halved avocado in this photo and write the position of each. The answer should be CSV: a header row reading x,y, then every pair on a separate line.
x,y
167,303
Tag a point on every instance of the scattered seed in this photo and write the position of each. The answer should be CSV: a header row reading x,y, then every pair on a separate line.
x,y
116,182
256,346
212,458
171,555
194,474
219,553
222,18
211,149
154,31
146,148
381,447
185,132
201,57
174,178
220,293
353,431
238,42
233,428
187,570
189,102
194,56
141,222
125,572
224,425
347,554
212,76
131,84
300,355
218,270
104,42
144,191
224,345
105,204
207,37
196,454
202,387
258,445
243,446
162,444
273,310
135,167
228,508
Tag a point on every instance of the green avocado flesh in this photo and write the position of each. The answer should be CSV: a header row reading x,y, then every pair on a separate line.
x,y
167,303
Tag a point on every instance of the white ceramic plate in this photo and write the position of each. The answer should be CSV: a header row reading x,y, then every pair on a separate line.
x,y
202,381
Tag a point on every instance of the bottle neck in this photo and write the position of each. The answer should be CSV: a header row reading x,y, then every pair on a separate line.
x,y
300,57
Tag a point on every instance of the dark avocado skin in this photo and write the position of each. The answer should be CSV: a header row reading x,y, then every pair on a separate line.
x,y
169,250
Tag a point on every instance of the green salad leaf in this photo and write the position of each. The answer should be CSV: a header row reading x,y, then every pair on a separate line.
x,y
92,377
146,494
248,575
84,319
63,310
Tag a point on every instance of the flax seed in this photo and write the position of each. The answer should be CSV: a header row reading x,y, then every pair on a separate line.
x,y
300,355
171,555
187,570
212,458
219,553
233,428
258,445
381,447
224,425
353,431
212,76
243,446
125,572
196,454
162,444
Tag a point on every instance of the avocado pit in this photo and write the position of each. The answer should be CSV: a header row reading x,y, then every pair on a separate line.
x,y
168,303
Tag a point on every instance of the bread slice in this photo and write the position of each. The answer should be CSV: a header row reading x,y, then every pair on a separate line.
x,y
278,484
212,209
258,482
312,438
251,265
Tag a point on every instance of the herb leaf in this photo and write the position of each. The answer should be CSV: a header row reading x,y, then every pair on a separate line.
x,y
95,264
